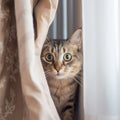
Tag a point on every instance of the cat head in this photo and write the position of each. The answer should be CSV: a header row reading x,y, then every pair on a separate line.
x,y
62,59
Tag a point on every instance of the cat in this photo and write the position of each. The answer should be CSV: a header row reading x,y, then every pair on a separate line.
x,y
62,62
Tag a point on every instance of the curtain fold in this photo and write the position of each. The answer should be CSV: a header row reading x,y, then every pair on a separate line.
x,y
34,85
24,94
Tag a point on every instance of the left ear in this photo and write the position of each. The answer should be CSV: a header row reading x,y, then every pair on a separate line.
x,y
76,38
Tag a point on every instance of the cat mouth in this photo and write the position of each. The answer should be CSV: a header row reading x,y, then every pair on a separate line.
x,y
60,76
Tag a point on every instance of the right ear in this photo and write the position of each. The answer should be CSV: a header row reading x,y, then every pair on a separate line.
x,y
76,38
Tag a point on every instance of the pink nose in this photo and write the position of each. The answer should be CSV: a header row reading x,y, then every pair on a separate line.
x,y
58,67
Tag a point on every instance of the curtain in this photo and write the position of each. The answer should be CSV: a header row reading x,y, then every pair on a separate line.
x,y
101,43
101,48
24,93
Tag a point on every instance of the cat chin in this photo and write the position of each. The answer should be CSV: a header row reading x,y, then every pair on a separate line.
x,y
61,77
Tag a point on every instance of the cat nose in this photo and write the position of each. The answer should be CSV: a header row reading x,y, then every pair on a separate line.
x,y
58,71
58,67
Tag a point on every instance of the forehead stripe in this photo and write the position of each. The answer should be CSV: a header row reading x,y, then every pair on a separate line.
x,y
52,49
64,50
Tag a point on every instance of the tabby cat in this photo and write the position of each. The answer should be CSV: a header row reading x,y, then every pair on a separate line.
x,y
62,63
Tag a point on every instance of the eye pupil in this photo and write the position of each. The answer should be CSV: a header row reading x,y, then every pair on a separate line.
x,y
49,57
67,57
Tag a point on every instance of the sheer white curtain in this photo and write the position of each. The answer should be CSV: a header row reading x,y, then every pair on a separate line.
x,y
101,33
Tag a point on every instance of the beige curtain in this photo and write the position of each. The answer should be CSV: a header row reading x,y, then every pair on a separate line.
x,y
24,94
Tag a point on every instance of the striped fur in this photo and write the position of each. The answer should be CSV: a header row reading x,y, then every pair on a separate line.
x,y
63,76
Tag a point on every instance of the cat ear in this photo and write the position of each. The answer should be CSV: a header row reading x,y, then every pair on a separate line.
x,y
76,38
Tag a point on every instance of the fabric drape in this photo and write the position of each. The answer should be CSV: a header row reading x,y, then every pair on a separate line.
x,y
35,90
35,100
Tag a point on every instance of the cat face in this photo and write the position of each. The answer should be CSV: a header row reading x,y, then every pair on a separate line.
x,y
62,59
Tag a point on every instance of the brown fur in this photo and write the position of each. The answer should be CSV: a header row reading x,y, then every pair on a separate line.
x,y
63,76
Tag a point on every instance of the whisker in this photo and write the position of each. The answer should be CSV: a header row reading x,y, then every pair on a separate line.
x,y
79,82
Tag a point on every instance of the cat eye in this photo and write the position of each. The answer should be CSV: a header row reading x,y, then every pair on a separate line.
x,y
67,57
49,57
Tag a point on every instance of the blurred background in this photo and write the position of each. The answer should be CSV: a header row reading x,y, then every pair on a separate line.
x,y
68,19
